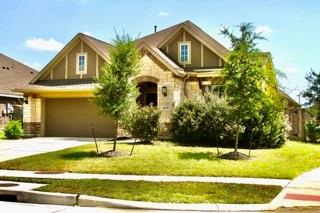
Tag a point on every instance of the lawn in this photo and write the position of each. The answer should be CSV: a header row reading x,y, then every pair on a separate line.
x,y
168,192
2,135
165,158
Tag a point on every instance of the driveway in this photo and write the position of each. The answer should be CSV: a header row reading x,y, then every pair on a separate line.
x,y
11,149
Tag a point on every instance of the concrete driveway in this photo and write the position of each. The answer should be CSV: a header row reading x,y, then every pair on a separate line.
x,y
11,149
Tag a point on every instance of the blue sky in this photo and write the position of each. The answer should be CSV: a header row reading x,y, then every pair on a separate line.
x,y
32,31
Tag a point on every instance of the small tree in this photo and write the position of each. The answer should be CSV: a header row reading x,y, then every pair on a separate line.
x,y
116,93
244,76
312,93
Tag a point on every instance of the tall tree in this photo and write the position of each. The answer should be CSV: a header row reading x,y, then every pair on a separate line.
x,y
116,93
244,76
312,93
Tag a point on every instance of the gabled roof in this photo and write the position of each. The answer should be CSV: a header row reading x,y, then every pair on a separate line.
x,y
101,47
162,58
13,74
156,40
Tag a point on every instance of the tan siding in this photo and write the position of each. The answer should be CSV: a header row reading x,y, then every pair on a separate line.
x,y
101,63
173,46
210,59
195,51
72,62
91,69
59,70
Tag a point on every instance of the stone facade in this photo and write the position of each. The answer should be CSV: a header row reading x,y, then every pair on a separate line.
x,y
153,71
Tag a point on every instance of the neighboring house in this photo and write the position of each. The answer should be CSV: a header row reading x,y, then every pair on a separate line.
x,y
178,62
13,74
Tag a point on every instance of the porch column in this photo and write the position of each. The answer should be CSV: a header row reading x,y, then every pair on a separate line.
x,y
32,116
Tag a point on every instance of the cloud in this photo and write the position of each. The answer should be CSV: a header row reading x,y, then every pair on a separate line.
x,y
34,65
263,29
41,44
163,13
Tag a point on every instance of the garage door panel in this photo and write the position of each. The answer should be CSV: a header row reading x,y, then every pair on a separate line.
x,y
73,118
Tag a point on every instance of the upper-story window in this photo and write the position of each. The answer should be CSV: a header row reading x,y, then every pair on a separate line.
x,y
81,63
184,52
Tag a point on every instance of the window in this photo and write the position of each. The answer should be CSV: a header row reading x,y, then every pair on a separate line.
x,y
81,63
184,52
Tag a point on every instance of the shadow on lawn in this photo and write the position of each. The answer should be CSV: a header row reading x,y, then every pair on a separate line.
x,y
79,155
198,156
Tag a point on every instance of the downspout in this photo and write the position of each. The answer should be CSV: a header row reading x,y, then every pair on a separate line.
x,y
184,84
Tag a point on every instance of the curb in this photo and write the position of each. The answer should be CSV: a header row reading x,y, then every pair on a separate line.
x,y
93,201
47,198
89,201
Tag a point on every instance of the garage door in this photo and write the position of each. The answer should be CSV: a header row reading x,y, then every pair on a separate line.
x,y
73,117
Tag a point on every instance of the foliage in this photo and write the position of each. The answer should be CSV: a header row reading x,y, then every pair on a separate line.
x,y
312,93
198,122
245,80
13,130
186,122
267,130
143,123
313,132
116,93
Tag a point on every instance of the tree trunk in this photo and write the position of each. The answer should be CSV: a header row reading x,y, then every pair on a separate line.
x,y
237,138
116,136
237,134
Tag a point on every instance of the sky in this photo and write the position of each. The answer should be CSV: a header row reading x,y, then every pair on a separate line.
x,y
33,31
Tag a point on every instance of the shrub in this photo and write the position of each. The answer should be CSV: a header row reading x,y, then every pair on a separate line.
x,y
202,123
186,123
313,132
13,130
143,123
266,130
211,123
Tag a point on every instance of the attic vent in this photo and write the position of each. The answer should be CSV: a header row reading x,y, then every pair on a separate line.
x,y
5,68
155,28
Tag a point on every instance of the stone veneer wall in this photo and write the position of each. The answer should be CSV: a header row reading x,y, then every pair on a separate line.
x,y
152,70
32,116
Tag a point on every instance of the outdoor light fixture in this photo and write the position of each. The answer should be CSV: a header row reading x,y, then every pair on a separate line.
x,y
164,90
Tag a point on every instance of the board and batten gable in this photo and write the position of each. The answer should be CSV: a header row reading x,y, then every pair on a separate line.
x,y
201,55
65,65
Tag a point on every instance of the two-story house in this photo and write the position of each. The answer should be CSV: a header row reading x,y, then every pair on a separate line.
x,y
178,62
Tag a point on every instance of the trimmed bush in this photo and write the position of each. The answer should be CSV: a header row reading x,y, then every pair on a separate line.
x,y
313,132
143,123
13,130
186,123
211,123
202,123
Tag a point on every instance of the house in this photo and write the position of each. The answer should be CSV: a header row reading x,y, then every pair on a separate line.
x,y
13,74
178,62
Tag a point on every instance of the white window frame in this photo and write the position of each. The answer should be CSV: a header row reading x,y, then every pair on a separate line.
x,y
188,43
85,63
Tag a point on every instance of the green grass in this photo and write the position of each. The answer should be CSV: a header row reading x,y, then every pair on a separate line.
x,y
168,159
2,135
168,192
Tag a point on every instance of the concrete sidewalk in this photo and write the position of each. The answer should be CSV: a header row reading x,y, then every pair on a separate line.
x,y
302,191
155,178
